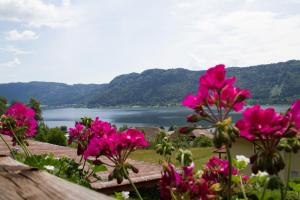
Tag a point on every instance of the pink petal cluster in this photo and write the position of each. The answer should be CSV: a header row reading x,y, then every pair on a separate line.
x,y
185,183
78,133
83,135
215,78
21,119
216,170
294,114
258,123
112,144
215,89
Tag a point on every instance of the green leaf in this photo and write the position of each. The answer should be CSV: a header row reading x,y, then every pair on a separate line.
x,y
99,168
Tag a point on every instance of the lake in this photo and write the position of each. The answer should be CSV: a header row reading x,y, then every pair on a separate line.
x,y
133,117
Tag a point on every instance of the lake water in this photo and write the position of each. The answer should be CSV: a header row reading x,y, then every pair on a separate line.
x,y
133,117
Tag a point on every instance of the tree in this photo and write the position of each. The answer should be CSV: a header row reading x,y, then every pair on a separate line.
x,y
57,136
3,106
36,106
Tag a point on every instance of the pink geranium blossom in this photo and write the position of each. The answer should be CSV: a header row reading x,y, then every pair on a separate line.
x,y
216,170
215,78
294,114
217,90
183,184
19,121
258,123
82,134
116,146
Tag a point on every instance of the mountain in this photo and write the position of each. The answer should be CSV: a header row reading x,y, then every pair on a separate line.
x,y
49,93
269,84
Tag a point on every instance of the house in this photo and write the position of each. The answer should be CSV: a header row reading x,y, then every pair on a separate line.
x,y
243,147
193,134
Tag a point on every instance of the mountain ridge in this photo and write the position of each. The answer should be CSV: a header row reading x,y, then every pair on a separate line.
x,y
268,83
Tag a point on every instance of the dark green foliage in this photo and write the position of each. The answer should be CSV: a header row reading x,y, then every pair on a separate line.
x,y
36,106
148,193
182,141
57,136
272,83
51,135
277,83
202,141
3,106
42,132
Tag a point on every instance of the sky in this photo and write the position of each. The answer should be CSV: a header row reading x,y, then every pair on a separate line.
x,y
92,41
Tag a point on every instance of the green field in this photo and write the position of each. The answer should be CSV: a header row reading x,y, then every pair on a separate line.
x,y
200,156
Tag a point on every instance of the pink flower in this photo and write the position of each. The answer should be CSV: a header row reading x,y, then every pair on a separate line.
x,y
79,133
216,170
169,181
216,90
215,78
183,184
100,128
232,97
133,138
200,99
258,123
21,120
294,114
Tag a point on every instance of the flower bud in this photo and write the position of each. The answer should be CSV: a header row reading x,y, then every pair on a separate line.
x,y
193,118
134,169
97,162
244,94
186,130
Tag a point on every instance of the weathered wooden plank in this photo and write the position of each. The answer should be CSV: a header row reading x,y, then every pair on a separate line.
x,y
18,181
148,172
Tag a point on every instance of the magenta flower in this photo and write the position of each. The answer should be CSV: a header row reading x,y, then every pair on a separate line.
x,y
169,181
216,90
215,78
78,133
294,114
133,138
183,184
100,128
261,124
267,127
232,97
216,170
116,147
19,121
194,101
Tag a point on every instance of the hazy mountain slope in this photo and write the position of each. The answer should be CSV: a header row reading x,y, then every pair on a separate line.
x,y
271,83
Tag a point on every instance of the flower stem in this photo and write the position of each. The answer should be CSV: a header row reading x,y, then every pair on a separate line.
x,y
243,188
288,175
264,190
132,184
11,151
229,172
26,151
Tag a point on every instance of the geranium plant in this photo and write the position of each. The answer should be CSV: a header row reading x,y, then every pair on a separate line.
x,y
98,138
18,123
216,98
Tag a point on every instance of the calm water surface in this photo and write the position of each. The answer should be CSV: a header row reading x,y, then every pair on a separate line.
x,y
133,117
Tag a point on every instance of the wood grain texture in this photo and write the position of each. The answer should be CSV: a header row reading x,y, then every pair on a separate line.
x,y
148,172
19,182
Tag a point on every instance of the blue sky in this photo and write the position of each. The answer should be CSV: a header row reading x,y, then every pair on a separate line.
x,y
92,41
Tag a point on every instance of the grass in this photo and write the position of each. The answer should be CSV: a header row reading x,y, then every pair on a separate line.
x,y
200,156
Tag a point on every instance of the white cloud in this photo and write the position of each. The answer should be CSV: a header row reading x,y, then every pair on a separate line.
x,y
11,63
14,50
24,35
235,33
37,13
